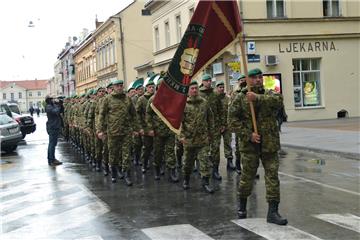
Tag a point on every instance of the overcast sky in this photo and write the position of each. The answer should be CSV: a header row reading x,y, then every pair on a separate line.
x,y
30,52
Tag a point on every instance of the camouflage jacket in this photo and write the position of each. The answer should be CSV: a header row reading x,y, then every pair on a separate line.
x,y
197,123
117,115
99,103
154,123
90,116
225,101
141,110
266,106
215,105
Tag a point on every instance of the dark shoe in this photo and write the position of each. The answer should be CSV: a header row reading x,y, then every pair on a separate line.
x,y
230,164
242,208
173,177
238,166
206,185
216,174
157,173
273,215
113,174
128,178
56,162
106,169
186,183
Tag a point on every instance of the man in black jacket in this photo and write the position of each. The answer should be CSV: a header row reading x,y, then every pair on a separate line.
x,y
53,127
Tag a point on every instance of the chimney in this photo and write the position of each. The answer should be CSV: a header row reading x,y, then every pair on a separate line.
x,y
97,23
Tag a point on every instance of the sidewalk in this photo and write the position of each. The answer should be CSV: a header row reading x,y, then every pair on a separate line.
x,y
341,136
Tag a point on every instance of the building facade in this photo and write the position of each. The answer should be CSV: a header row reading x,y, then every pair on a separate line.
x,y
24,93
85,65
67,69
309,48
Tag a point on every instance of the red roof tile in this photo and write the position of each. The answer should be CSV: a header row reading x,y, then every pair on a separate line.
x,y
27,84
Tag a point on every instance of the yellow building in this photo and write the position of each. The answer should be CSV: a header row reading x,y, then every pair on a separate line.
x,y
85,65
123,42
311,47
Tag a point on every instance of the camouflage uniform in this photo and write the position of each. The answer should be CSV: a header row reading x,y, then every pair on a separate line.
x,y
90,122
225,100
164,139
136,140
197,126
118,120
147,140
266,107
217,109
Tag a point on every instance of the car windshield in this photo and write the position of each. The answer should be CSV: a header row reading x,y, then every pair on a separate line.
x,y
5,119
15,109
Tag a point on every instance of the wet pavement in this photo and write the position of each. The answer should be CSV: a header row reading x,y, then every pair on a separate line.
x,y
319,193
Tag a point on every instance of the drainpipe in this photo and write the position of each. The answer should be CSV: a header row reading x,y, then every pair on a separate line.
x,y
122,48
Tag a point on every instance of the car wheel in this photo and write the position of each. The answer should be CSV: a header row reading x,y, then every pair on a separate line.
x,y
9,149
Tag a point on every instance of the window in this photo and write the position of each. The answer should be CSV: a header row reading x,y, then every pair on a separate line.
x,y
30,94
4,95
167,34
39,94
157,39
331,8
12,96
178,28
191,12
20,95
275,8
306,82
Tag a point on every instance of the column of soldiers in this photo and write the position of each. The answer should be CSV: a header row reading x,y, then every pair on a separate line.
x,y
114,129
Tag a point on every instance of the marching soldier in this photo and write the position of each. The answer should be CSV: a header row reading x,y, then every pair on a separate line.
x,y
118,120
196,135
164,141
263,145
137,141
207,92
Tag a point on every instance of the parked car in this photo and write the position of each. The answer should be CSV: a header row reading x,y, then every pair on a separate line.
x,y
26,122
10,133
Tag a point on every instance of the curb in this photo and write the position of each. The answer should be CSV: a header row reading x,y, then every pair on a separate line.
x,y
354,156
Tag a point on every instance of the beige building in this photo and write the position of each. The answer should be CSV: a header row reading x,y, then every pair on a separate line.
x,y
123,42
85,65
311,47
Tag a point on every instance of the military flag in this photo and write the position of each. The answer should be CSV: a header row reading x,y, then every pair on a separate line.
x,y
214,26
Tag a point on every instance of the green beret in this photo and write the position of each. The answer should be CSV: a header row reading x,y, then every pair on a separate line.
x,y
193,82
117,81
138,83
206,77
82,95
241,76
109,85
220,82
90,92
254,72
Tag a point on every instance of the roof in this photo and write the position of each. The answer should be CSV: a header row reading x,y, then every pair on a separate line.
x,y
27,84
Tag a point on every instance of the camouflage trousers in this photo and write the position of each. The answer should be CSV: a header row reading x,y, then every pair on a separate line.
x,y
164,150
98,149
137,145
215,149
105,151
146,148
193,153
237,148
119,151
250,162
179,149
227,144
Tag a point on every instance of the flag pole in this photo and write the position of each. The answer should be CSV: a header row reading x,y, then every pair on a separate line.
x,y
242,49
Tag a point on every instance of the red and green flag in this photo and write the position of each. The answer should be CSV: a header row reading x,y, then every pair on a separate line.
x,y
214,26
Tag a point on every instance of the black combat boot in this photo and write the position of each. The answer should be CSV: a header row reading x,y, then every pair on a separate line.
x,y
238,165
157,173
216,174
273,215
173,176
121,173
128,178
206,185
242,208
186,183
113,174
106,169
230,164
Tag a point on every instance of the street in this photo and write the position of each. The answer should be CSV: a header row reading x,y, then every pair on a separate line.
x,y
319,197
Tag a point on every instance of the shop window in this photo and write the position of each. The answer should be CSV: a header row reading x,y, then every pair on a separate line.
x,y
331,8
306,82
275,8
